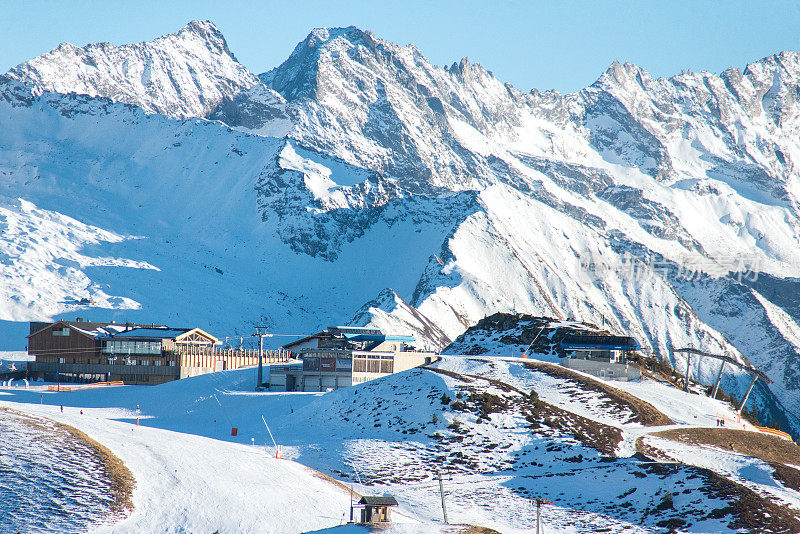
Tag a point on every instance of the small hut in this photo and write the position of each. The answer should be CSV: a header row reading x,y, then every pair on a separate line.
x,y
376,508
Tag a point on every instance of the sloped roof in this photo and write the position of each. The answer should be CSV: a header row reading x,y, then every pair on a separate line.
x,y
90,328
352,333
599,342
152,333
378,500
161,333
324,334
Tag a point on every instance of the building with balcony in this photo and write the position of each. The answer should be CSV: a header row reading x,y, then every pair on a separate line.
x,y
343,356
84,351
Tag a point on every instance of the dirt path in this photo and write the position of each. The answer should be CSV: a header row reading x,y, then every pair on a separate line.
x,y
756,444
646,413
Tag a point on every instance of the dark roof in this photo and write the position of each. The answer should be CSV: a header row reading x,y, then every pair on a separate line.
x,y
307,338
38,325
152,333
352,333
599,342
378,500
86,326
354,330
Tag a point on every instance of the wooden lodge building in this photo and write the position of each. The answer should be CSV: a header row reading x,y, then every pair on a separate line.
x,y
85,351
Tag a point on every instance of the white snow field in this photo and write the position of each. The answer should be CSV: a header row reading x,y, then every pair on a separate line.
x,y
392,435
186,482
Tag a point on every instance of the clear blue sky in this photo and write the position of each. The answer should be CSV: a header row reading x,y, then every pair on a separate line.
x,y
562,45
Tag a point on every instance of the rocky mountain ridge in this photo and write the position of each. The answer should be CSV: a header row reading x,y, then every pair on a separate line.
x,y
182,75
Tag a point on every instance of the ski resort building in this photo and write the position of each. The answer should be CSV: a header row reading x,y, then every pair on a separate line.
x,y
600,355
84,351
343,356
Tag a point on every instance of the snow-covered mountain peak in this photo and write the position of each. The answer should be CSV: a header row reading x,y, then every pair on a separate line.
x,y
314,59
184,74
621,75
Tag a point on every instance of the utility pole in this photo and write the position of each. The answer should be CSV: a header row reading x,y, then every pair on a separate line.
x,y
746,395
716,382
539,502
351,504
441,492
261,333
686,380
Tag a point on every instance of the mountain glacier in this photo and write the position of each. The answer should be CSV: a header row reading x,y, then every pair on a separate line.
x,y
358,181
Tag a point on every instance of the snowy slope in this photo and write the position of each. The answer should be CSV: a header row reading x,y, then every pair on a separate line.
x,y
176,186
631,204
470,418
45,246
198,492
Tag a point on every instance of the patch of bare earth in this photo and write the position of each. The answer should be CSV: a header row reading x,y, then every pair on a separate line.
x,y
472,529
756,444
645,413
752,511
790,476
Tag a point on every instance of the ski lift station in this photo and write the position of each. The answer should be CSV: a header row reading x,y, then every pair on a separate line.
x,y
600,355
342,356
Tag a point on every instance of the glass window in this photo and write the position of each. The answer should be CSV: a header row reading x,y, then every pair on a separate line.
x,y
373,365
61,360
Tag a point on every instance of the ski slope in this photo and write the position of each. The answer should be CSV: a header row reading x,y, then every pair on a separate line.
x,y
392,435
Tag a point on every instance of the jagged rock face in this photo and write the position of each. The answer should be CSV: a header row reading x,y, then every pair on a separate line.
x,y
625,204
381,106
186,74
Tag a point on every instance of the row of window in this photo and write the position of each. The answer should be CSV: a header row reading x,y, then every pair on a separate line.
x,y
119,360
136,378
132,347
373,364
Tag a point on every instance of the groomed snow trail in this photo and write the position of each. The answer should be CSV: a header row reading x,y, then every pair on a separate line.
x,y
188,483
